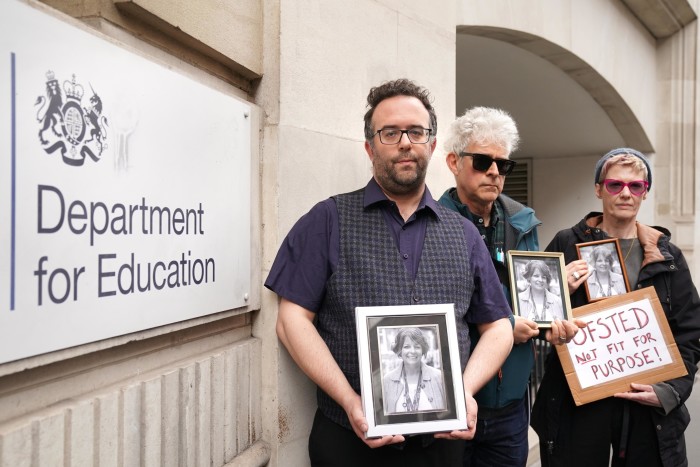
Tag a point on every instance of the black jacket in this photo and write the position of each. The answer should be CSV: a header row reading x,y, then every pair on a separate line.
x,y
665,268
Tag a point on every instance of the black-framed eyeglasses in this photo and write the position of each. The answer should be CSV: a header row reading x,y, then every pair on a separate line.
x,y
415,135
482,163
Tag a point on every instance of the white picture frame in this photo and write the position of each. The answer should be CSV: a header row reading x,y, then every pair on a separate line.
x,y
442,408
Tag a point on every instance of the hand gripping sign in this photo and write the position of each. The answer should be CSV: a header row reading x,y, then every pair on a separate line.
x,y
627,340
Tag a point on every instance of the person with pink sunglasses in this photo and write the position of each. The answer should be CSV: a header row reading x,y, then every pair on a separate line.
x,y
645,426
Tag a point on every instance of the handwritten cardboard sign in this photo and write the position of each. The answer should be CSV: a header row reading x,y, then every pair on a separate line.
x,y
627,340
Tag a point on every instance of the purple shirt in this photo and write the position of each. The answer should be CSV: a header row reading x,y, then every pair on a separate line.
x,y
309,255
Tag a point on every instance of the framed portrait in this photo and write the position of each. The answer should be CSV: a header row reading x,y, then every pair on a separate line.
x,y
609,277
538,286
410,372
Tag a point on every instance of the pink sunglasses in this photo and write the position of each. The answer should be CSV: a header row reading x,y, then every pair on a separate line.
x,y
637,187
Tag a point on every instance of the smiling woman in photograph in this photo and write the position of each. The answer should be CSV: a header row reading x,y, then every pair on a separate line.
x,y
604,282
413,386
536,301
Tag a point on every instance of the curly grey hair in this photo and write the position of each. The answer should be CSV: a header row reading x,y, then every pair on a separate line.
x,y
482,125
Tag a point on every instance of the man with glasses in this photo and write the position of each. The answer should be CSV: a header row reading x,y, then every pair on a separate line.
x,y
644,426
389,243
478,147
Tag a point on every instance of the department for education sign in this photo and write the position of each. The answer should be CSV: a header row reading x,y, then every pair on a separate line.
x,y
124,190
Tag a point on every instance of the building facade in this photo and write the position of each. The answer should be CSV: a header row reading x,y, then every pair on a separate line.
x,y
579,77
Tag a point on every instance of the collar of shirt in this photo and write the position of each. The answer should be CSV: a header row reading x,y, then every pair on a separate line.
x,y
375,196
409,236
478,221
494,234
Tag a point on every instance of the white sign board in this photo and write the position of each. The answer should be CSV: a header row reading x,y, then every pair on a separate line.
x,y
618,342
124,190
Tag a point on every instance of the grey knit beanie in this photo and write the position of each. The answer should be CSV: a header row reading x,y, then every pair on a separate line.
x,y
615,152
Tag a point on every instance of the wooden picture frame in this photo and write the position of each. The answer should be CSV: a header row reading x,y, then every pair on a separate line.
x,y
627,340
609,255
538,286
439,405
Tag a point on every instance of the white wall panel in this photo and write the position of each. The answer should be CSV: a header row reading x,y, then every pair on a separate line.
x,y
188,415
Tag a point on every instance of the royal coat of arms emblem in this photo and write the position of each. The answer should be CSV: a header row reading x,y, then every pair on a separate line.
x,y
77,132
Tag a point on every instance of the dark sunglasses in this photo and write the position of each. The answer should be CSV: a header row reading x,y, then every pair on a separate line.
x,y
637,187
482,163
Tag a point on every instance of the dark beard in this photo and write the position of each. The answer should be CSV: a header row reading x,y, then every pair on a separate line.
x,y
392,180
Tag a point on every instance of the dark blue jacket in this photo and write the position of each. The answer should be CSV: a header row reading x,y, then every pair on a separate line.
x,y
511,382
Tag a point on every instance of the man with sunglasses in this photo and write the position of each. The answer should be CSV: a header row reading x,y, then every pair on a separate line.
x,y
478,146
389,243
645,426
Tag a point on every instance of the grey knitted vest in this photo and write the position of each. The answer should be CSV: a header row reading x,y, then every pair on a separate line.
x,y
371,272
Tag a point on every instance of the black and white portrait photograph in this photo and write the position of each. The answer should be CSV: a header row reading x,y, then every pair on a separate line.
x,y
539,291
410,372
608,277
412,379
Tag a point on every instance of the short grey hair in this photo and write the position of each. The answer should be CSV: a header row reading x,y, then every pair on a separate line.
x,y
633,159
484,126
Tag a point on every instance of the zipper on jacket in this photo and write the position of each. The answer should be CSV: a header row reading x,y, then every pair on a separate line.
x,y
667,282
